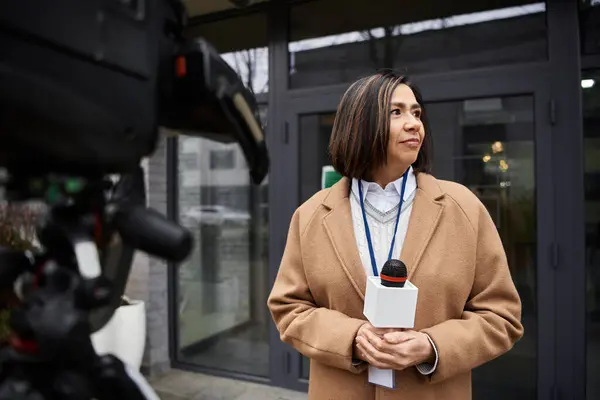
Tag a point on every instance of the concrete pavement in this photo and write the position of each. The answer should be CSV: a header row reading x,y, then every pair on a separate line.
x,y
180,385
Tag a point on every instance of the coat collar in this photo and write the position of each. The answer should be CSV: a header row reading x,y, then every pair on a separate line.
x,y
411,186
425,215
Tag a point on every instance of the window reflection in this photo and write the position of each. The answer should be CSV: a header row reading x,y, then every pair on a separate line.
x,y
332,44
252,67
222,314
247,53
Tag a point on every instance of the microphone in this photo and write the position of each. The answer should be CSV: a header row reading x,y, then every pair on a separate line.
x,y
390,302
393,274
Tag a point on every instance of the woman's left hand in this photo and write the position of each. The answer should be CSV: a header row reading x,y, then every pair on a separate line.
x,y
395,350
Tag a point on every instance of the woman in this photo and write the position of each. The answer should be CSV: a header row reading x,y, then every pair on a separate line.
x,y
468,310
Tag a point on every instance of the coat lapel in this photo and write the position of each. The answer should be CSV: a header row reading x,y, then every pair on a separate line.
x,y
424,218
339,228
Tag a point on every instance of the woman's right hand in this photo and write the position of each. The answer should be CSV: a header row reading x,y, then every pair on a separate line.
x,y
369,333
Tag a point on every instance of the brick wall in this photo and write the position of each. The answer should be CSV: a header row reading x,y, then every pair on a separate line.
x,y
148,277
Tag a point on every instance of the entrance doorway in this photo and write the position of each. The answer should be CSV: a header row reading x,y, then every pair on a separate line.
x,y
495,141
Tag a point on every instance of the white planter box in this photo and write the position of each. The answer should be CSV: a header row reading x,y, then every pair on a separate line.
x,y
124,335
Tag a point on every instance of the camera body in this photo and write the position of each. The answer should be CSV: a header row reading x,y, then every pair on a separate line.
x,y
80,84
85,86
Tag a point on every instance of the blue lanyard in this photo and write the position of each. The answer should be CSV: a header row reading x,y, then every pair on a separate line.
x,y
368,232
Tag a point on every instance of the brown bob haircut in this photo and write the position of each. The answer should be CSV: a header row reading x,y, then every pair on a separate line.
x,y
361,130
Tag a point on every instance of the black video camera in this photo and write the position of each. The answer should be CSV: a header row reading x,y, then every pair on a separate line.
x,y
85,86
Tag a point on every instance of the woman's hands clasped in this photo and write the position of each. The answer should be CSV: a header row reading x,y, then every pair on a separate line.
x,y
392,348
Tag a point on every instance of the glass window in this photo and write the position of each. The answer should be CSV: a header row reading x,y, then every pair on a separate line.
x,y
488,146
243,44
335,42
589,26
223,286
591,129
222,159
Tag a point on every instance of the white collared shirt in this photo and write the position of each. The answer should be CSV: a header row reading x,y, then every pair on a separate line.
x,y
381,206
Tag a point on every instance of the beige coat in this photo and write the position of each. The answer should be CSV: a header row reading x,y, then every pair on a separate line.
x,y
467,301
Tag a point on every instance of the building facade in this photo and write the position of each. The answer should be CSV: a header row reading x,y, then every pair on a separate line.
x,y
512,92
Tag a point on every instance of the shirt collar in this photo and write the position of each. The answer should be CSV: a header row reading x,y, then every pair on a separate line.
x,y
411,186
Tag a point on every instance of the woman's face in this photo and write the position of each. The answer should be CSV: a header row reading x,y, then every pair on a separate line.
x,y
406,129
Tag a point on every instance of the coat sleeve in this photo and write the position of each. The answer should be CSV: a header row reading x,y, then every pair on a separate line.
x,y
318,333
491,321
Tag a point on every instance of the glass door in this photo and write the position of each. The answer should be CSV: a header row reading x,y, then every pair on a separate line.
x,y
498,145
591,122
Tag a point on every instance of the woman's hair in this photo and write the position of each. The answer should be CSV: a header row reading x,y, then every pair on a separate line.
x,y
361,130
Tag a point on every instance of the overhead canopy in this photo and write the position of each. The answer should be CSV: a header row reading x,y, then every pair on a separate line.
x,y
201,7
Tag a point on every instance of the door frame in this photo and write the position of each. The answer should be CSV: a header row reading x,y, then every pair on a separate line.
x,y
531,79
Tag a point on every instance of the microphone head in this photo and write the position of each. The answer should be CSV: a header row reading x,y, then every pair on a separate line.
x,y
393,274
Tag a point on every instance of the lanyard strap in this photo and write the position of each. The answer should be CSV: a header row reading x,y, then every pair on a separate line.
x,y
367,230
